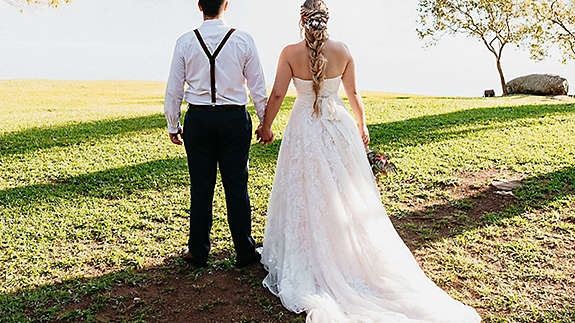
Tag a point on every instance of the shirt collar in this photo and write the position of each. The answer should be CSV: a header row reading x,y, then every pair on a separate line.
x,y
213,22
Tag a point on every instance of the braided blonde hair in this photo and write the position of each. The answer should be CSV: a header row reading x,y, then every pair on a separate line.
x,y
315,16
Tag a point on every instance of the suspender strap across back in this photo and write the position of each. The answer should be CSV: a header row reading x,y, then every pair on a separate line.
x,y
212,58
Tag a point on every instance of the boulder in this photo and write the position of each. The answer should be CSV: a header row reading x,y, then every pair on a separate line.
x,y
539,84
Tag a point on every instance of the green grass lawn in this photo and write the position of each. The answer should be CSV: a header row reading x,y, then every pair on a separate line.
x,y
93,195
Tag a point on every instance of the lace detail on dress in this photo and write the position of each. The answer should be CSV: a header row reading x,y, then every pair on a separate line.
x,y
329,247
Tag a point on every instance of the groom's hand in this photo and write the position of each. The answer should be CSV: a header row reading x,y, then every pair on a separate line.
x,y
259,133
175,138
265,135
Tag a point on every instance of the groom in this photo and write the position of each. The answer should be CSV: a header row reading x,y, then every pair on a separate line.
x,y
216,62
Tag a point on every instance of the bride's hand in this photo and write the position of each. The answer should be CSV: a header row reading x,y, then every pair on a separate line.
x,y
265,135
364,135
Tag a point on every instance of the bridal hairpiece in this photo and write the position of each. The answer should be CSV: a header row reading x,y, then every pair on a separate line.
x,y
315,24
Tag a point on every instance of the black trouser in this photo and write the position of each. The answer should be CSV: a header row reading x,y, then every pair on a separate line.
x,y
219,138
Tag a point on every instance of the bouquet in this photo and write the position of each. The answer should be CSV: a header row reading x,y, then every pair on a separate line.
x,y
380,164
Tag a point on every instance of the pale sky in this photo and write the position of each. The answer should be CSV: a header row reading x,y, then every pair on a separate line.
x,y
133,40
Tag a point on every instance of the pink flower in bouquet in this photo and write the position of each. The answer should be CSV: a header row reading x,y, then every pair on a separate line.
x,y
380,164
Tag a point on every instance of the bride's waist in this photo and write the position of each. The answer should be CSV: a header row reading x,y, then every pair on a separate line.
x,y
310,99
330,107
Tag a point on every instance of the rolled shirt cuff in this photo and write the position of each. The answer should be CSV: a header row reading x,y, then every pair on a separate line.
x,y
173,130
261,111
261,120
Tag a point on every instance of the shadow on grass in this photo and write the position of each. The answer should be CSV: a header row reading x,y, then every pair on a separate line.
x,y
481,206
423,129
120,182
406,132
108,184
33,139
169,292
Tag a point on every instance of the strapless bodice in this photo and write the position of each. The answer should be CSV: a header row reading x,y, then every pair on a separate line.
x,y
304,88
331,106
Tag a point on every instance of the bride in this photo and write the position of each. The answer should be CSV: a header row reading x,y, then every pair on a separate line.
x,y
329,247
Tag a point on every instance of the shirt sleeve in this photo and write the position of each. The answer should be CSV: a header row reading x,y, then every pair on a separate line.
x,y
175,91
254,75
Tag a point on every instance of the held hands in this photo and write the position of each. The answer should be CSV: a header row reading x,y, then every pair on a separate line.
x,y
175,138
265,135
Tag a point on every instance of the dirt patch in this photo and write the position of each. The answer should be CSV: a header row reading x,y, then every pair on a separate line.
x,y
468,204
178,293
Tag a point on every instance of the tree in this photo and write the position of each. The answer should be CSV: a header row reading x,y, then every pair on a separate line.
x,y
50,3
556,19
496,23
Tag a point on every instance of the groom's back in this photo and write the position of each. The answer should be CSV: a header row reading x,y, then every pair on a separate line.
x,y
215,61
236,62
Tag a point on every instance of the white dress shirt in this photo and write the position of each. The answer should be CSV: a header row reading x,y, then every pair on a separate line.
x,y
237,63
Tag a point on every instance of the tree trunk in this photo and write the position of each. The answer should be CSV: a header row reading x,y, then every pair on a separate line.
x,y
501,77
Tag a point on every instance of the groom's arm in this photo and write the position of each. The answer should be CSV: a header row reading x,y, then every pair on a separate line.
x,y
254,75
175,92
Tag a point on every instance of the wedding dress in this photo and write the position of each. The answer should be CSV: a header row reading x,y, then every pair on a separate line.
x,y
329,247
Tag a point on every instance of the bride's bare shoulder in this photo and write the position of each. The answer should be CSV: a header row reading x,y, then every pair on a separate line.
x,y
295,47
338,47
294,52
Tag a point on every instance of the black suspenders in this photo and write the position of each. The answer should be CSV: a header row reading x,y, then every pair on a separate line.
x,y
212,58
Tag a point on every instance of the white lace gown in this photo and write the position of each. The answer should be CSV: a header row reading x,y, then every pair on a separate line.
x,y
329,247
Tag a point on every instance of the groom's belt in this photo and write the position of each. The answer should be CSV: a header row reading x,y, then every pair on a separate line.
x,y
227,107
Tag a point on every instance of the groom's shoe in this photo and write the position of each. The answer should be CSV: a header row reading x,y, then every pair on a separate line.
x,y
255,258
187,256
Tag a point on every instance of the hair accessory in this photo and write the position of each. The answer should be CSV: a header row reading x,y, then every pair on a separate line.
x,y
315,24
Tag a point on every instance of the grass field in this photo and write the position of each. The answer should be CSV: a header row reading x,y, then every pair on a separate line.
x,y
94,202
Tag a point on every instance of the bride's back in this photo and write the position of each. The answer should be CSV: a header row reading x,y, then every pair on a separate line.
x,y
336,53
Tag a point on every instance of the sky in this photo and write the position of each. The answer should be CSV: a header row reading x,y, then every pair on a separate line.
x,y
134,39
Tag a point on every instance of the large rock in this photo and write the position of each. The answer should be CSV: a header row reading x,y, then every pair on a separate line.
x,y
539,84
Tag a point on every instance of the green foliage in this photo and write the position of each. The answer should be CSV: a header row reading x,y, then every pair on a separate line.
x,y
496,23
556,27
